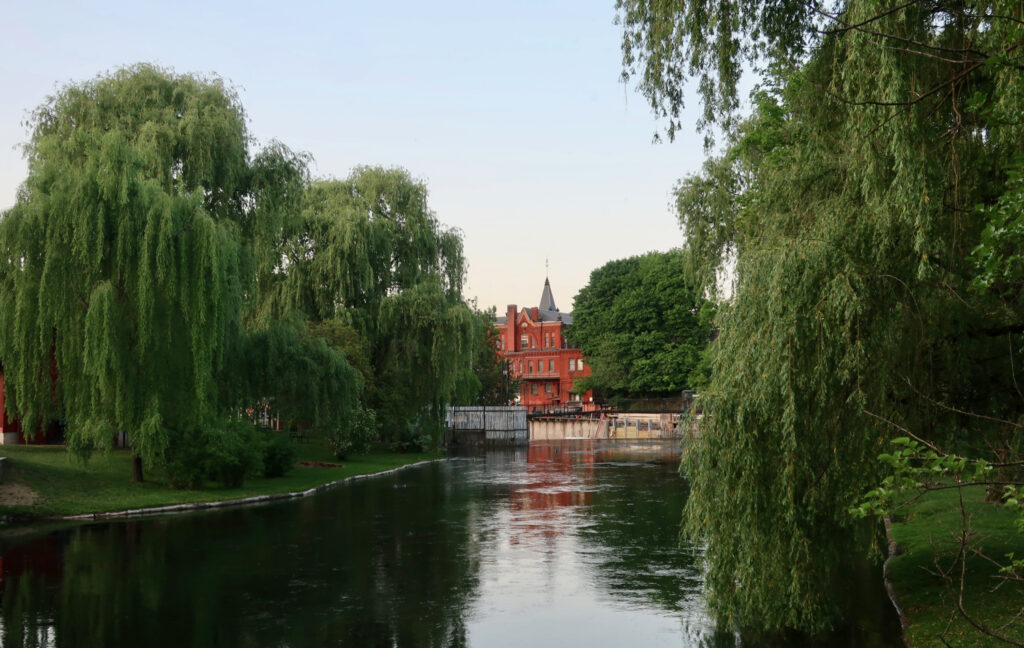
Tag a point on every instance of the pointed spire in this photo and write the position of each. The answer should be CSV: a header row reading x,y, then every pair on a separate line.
x,y
547,301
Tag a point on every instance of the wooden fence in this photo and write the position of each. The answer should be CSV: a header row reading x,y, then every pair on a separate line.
x,y
486,425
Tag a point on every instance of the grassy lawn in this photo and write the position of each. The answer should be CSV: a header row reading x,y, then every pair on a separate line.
x,y
929,535
66,486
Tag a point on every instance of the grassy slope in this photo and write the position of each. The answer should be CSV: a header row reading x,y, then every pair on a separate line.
x,y
66,486
929,535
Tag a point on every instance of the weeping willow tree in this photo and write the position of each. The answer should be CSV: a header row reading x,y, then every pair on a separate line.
x,y
867,205
134,240
370,257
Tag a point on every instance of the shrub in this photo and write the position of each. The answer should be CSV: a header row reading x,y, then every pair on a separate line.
x,y
419,435
224,451
357,437
184,459
233,451
278,455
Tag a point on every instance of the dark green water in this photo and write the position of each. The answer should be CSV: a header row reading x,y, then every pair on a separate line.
x,y
569,544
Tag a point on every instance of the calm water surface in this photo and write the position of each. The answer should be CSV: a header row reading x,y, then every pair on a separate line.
x,y
572,544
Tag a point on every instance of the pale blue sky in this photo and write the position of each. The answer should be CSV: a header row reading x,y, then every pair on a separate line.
x,y
513,114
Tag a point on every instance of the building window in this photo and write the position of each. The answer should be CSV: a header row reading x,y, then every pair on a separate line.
x,y
572,364
547,388
533,388
551,365
579,365
524,342
530,365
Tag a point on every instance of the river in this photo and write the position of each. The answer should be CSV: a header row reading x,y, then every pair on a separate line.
x,y
560,544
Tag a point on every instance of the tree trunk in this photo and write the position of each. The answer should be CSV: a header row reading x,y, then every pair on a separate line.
x,y
136,468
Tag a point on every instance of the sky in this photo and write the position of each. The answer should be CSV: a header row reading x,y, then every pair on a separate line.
x,y
513,113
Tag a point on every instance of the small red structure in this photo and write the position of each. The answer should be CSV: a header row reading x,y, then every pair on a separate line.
x,y
10,428
532,341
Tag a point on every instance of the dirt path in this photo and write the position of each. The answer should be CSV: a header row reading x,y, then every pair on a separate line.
x,y
17,495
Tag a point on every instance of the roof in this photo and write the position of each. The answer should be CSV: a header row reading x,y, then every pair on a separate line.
x,y
547,311
547,301
543,316
554,316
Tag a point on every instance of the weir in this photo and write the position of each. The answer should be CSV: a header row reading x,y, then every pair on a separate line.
x,y
607,425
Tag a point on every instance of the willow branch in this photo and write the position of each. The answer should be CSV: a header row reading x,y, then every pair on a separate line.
x,y
906,431
960,411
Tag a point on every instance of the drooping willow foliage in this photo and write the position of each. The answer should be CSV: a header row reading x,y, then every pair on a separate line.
x,y
124,257
156,276
871,205
371,255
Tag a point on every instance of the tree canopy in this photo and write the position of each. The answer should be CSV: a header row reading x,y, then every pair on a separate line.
x,y
642,327
158,277
124,256
871,206
491,370
370,254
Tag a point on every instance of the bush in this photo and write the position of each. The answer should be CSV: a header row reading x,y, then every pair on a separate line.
x,y
184,459
357,437
233,452
278,455
223,451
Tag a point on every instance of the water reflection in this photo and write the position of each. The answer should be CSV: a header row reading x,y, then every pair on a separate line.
x,y
554,545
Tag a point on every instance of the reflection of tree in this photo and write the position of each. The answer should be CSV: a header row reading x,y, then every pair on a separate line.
x,y
634,524
380,562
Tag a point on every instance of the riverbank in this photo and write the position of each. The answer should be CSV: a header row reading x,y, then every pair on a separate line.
x,y
925,574
47,482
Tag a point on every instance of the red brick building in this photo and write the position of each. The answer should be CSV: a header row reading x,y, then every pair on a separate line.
x,y
533,342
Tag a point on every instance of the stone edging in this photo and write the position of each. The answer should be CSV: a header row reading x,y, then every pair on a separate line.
x,y
241,501
894,550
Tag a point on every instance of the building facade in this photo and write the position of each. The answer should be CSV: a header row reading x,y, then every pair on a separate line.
x,y
532,340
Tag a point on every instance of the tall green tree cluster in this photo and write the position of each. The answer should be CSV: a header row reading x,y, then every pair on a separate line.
x,y
872,207
158,275
369,262
642,326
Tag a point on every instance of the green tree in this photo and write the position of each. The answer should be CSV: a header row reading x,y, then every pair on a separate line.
x,y
371,255
495,384
123,257
126,265
642,327
848,204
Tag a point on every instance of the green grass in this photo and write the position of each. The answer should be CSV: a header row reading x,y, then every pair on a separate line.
x,y
929,535
67,486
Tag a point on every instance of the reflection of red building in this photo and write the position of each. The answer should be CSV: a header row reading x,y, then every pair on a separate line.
x,y
533,342
559,478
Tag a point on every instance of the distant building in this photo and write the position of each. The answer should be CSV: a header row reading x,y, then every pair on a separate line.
x,y
533,342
